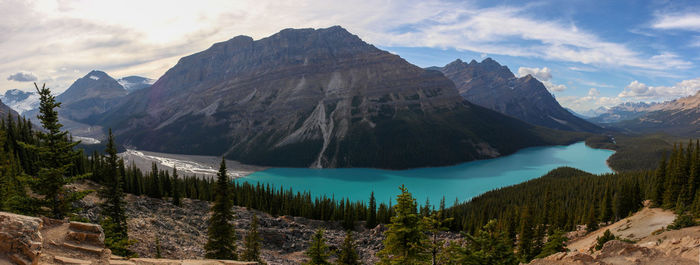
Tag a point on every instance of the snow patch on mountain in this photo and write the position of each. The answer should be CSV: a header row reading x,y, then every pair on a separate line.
x,y
20,101
133,83
94,77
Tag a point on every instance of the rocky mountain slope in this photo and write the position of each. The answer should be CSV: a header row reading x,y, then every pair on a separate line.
x,y
647,243
494,86
319,98
677,117
5,110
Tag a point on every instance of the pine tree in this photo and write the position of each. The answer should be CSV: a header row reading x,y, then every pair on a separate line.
x,y
176,189
487,246
592,221
525,240
221,232
56,156
556,242
371,212
116,236
318,252
405,238
434,224
348,251
252,242
659,183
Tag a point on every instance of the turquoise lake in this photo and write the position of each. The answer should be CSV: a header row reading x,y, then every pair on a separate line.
x,y
462,181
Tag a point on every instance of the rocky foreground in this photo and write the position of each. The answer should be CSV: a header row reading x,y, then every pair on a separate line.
x,y
181,231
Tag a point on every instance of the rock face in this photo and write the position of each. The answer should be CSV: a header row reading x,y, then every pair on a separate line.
x,y
312,98
494,86
20,239
678,117
616,252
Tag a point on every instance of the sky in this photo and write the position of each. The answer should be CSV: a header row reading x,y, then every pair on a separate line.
x,y
588,53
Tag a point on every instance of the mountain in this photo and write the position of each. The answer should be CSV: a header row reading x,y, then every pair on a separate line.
x,y
319,98
20,101
624,111
494,86
92,94
133,83
677,117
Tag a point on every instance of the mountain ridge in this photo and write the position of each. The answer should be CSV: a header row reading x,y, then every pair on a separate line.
x,y
494,86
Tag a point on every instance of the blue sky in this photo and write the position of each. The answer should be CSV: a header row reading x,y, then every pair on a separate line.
x,y
588,53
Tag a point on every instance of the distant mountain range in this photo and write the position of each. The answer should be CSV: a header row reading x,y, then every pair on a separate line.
x,y
679,117
494,86
624,111
317,98
91,95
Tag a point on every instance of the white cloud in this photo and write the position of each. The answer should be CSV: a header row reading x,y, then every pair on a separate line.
x,y
642,92
544,75
22,77
679,21
48,37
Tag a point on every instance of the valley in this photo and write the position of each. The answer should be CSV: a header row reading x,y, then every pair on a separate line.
x,y
342,142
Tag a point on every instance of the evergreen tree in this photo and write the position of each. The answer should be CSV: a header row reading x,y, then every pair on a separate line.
x,y
525,241
221,232
252,242
659,183
434,224
487,246
114,223
176,189
56,156
318,252
592,223
556,242
600,241
348,251
405,238
371,212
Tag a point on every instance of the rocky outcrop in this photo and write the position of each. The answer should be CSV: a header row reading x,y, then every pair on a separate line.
x,y
20,238
616,252
494,86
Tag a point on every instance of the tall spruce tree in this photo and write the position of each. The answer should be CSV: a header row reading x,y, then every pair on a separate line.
x,y
252,242
176,189
318,252
222,234
55,160
405,239
348,251
114,222
371,212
